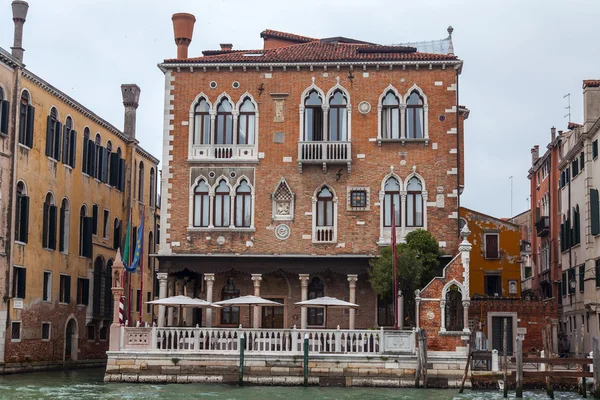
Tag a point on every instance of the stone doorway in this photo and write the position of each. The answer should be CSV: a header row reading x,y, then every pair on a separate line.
x,y
71,340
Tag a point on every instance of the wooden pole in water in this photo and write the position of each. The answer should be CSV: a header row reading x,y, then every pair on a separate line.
x,y
505,358
469,352
519,383
549,389
424,357
582,367
596,365
418,369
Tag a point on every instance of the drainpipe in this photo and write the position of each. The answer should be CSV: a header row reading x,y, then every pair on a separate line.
x,y
458,153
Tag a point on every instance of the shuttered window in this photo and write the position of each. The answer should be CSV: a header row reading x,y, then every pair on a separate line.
x,y
582,278
19,282
597,273
595,211
498,334
564,284
491,245
95,219
49,223
575,166
26,118
581,161
595,149
22,214
4,113
64,295
53,135
87,237
83,291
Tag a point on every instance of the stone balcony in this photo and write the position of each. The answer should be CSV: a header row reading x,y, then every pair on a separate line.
x,y
324,153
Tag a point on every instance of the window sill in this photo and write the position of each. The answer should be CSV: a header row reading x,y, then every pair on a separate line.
x,y
48,249
323,242
49,301
491,258
454,333
20,243
46,340
62,304
253,160
218,229
403,140
15,340
68,167
52,159
24,146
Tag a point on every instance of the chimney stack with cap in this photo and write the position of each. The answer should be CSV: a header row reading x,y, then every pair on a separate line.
x,y
226,46
553,133
535,154
131,98
19,9
591,103
183,28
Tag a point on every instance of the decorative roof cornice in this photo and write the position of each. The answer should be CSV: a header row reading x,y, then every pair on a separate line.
x,y
74,104
8,59
146,155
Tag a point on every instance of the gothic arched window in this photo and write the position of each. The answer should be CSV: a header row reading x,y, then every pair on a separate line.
x,y
246,123
202,122
390,116
414,203
454,310
414,116
338,117
313,117
391,196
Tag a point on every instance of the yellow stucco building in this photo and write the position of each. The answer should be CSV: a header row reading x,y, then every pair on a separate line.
x,y
496,255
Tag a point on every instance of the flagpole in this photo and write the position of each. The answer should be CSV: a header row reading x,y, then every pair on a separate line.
x,y
129,273
142,266
395,292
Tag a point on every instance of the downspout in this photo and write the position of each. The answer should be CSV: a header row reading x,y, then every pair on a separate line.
x,y
12,192
458,153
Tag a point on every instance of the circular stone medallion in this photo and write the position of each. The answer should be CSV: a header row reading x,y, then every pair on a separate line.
x,y
282,232
364,107
430,315
221,240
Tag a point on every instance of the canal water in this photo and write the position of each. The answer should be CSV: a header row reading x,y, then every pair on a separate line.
x,y
88,384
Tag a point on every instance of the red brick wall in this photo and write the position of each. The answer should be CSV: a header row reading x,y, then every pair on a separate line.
x,y
432,164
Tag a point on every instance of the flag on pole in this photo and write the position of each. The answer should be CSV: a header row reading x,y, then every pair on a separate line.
x,y
395,291
137,255
126,257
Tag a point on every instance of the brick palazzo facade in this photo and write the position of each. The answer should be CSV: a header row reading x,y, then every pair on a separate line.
x,y
281,165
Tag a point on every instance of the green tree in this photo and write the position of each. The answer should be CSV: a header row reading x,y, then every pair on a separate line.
x,y
417,264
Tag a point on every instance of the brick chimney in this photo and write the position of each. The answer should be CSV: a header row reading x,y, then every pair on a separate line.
x,y
19,9
131,98
226,46
535,154
591,103
183,28
552,133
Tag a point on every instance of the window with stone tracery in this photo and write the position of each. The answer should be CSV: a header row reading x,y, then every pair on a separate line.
x,y
283,202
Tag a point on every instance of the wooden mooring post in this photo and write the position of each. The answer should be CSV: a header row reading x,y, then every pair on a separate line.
x,y
470,346
519,356
583,367
547,366
421,371
505,358
596,366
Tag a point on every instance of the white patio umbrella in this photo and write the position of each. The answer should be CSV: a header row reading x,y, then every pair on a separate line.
x,y
182,301
326,302
247,301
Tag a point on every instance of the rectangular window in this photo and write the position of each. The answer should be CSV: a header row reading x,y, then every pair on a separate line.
x,y
493,285
47,296
358,198
91,332
581,278
138,300
19,282
492,250
595,149
598,273
15,331
103,333
148,306
106,224
95,219
575,166
4,113
581,161
65,289
83,291
45,330
564,283
567,175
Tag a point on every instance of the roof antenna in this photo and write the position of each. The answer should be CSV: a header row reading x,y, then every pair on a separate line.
x,y
568,107
450,45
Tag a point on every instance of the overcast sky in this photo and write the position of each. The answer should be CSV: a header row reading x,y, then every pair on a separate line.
x,y
521,57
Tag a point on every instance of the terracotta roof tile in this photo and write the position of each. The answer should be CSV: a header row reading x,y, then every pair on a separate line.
x,y
591,83
317,51
268,33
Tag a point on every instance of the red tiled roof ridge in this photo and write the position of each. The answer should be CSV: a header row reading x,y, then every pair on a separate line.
x,y
573,125
285,35
591,83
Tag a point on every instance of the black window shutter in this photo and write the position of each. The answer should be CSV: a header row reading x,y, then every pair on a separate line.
x,y
30,121
87,236
61,230
49,136
65,144
67,289
45,226
117,235
73,149
24,228
122,168
57,134
79,290
84,154
52,229
22,286
4,117
91,158
95,219
104,166
595,211
85,292
114,169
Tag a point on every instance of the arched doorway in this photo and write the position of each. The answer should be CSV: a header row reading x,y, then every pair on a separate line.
x,y
71,339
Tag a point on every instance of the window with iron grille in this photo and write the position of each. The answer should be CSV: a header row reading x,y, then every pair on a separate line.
x,y
45,330
358,198
454,310
15,333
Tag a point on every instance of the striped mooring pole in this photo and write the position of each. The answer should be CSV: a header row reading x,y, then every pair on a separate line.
x,y
121,310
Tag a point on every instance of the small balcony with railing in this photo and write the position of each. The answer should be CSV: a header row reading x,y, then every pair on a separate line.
x,y
542,226
224,153
325,153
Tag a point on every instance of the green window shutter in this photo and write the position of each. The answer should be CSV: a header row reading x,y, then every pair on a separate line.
x,y
564,284
595,211
597,273
581,278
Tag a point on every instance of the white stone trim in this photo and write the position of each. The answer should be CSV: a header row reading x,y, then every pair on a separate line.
x,y
315,216
191,124
380,108
425,109
274,215
330,93
305,93
167,175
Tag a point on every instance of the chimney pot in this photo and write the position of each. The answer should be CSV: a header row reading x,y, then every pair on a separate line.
x,y
535,154
19,9
183,29
553,133
591,103
226,46
131,98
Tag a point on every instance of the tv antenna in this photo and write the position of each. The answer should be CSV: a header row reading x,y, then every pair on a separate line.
x,y
568,107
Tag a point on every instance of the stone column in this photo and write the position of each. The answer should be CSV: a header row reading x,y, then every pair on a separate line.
x,y
304,313
170,292
118,274
210,280
466,304
465,254
189,311
352,279
162,294
256,278
417,307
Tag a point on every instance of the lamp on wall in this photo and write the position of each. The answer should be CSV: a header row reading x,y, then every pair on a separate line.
x,y
572,285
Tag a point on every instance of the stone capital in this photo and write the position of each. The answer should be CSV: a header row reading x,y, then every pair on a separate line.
x,y
304,279
209,277
162,276
352,279
256,278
